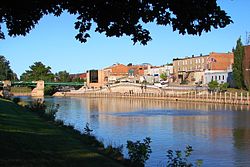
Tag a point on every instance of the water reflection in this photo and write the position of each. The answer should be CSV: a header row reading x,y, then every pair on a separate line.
x,y
219,133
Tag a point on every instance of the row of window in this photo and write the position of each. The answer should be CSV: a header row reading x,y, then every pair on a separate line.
x,y
197,67
218,77
196,61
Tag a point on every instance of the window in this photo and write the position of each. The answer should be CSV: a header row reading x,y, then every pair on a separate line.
x,y
219,77
223,77
212,78
216,77
93,75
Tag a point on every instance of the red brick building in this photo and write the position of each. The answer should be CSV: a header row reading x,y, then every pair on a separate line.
x,y
246,66
220,61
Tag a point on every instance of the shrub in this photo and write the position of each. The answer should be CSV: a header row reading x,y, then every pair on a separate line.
x,y
213,86
114,151
139,152
87,130
176,158
51,110
223,87
16,100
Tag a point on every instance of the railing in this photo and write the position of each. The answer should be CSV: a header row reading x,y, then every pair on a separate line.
x,y
193,96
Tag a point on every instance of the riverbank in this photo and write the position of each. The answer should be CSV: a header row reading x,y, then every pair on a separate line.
x,y
186,96
28,140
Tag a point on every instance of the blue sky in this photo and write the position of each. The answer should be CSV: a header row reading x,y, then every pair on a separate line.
x,y
52,42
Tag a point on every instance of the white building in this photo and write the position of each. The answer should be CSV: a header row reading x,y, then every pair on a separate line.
x,y
155,72
221,76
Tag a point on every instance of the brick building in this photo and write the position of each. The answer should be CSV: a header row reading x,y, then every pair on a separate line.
x,y
120,72
220,61
191,69
246,66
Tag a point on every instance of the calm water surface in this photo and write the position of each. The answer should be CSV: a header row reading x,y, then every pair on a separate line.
x,y
219,134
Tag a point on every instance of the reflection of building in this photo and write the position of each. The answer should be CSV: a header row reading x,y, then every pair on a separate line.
x,y
246,66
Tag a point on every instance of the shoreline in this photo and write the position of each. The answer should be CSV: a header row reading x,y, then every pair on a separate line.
x,y
206,97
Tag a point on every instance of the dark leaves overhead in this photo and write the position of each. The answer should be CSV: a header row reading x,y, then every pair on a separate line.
x,y
116,17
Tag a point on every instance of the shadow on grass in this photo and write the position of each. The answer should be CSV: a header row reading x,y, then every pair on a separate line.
x,y
27,140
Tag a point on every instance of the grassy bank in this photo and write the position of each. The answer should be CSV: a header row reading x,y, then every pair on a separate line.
x,y
28,140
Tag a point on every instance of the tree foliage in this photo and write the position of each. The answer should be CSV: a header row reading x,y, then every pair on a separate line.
x,y
38,71
6,72
181,159
116,18
213,85
63,76
164,76
237,66
139,152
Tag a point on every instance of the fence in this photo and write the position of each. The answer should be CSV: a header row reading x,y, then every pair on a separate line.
x,y
194,96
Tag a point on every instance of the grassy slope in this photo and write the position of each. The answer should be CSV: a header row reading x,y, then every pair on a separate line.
x,y
27,140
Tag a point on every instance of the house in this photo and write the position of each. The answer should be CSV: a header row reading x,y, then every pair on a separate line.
x,y
153,73
221,76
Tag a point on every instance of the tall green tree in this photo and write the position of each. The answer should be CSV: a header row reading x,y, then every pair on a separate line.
x,y
6,72
63,76
237,66
38,71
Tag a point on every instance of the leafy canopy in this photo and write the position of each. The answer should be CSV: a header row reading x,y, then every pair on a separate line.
x,y
116,17
38,71
63,76
6,72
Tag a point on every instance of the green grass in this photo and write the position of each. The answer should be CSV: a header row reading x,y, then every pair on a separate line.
x,y
28,140
20,90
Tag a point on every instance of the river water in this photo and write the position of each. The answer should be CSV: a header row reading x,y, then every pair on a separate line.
x,y
219,134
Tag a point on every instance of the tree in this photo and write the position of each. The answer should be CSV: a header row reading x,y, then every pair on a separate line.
x,y
237,66
38,71
213,86
63,76
164,76
116,18
6,72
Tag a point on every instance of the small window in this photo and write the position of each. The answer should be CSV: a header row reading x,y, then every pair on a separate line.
x,y
212,78
223,77
219,77
216,78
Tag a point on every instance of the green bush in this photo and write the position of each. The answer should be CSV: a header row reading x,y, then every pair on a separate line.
x,y
223,87
139,152
178,159
16,100
213,86
49,90
87,130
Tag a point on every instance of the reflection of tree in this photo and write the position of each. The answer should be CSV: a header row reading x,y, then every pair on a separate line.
x,y
241,133
241,138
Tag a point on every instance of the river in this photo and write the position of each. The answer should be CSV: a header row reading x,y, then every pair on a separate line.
x,y
219,134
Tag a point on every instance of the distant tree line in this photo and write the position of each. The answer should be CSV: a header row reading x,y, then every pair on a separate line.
x,y
6,72
37,71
